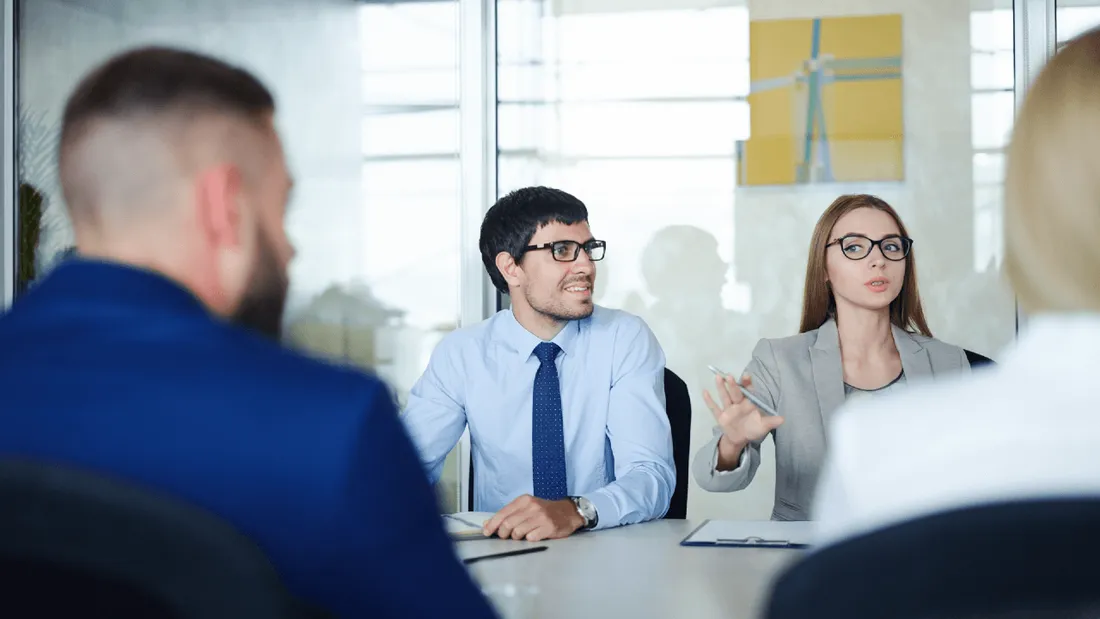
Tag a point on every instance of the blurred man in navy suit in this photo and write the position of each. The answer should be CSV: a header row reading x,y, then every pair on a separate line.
x,y
143,357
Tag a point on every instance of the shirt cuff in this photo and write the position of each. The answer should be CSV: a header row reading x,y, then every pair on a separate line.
x,y
606,512
742,461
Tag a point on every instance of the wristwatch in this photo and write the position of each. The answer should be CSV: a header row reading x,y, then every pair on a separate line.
x,y
587,511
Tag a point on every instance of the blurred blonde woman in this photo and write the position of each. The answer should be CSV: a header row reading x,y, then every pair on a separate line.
x,y
1031,427
863,335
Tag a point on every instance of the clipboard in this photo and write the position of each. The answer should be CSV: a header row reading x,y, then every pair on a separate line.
x,y
751,534
465,526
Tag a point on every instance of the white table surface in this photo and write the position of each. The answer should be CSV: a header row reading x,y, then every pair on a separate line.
x,y
633,572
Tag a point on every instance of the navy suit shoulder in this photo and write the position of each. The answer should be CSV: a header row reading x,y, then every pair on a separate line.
x,y
124,373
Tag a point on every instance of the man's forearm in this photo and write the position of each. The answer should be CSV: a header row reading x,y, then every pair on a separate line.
x,y
642,494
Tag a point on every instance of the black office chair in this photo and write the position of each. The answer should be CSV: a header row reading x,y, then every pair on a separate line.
x,y
678,407
75,544
976,360
1020,559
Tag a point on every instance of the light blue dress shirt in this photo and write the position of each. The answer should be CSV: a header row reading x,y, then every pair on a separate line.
x,y
618,448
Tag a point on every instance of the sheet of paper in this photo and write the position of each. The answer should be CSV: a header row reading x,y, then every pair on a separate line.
x,y
466,525
753,533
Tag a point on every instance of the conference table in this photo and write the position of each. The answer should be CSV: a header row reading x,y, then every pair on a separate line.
x,y
635,571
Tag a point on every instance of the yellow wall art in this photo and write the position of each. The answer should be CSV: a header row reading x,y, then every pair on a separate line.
x,y
825,102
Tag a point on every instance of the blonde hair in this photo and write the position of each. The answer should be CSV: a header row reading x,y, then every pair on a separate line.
x,y
818,304
1052,185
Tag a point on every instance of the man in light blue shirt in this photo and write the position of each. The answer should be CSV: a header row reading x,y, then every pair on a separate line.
x,y
565,400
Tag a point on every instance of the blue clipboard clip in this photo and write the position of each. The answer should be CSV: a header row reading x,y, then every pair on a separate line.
x,y
754,541
768,536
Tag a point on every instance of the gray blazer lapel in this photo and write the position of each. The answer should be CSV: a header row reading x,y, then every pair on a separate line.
x,y
828,371
914,357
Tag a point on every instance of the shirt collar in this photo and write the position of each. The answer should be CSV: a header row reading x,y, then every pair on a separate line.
x,y
523,342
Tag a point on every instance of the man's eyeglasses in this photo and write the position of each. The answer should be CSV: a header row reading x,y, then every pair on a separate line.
x,y
569,251
858,247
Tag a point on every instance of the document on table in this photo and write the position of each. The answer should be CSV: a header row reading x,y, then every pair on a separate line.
x,y
751,533
466,525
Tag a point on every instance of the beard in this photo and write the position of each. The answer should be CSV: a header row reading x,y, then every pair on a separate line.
x,y
560,311
261,308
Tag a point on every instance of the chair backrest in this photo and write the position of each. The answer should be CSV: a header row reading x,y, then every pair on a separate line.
x,y
977,360
988,561
77,544
678,407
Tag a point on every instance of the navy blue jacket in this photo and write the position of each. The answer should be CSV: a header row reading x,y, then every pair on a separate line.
x,y
123,372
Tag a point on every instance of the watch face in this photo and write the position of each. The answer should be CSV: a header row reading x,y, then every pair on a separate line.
x,y
587,508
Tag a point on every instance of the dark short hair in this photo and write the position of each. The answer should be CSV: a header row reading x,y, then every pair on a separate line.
x,y
515,218
152,80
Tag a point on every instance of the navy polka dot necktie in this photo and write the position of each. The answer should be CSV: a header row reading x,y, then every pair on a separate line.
x,y
547,435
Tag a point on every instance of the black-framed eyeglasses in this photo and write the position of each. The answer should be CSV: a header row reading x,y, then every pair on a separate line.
x,y
858,247
569,251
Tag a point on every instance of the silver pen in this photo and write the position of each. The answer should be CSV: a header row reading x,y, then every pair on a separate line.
x,y
749,395
463,521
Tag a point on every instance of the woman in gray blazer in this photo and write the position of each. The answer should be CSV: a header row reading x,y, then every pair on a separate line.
x,y
863,334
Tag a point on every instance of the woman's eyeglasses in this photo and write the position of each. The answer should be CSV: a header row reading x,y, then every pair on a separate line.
x,y
858,247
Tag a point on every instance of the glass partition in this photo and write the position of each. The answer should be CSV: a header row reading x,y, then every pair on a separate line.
x,y
680,150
